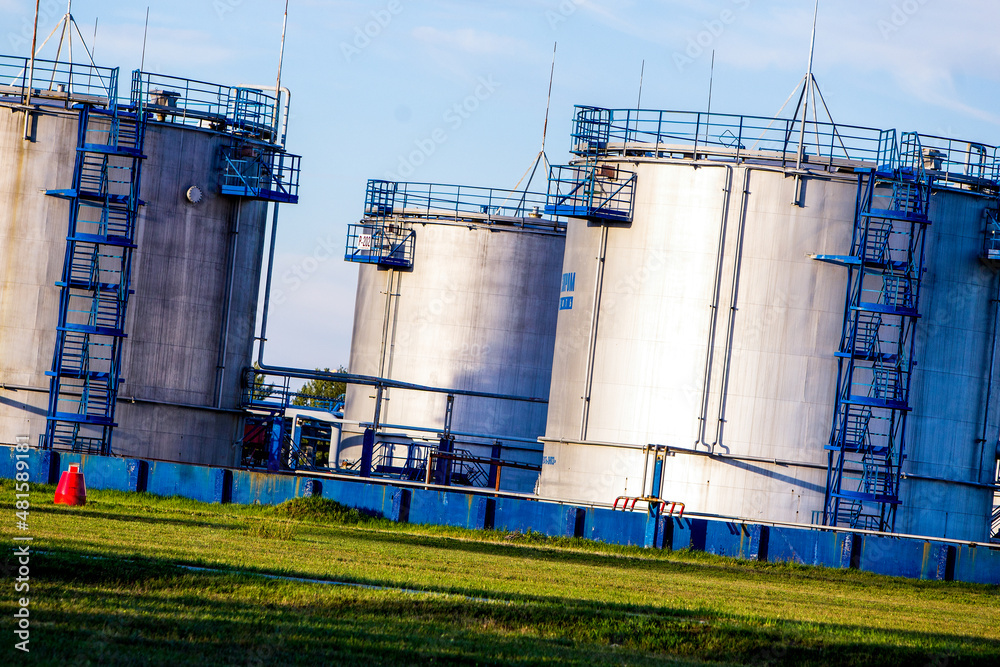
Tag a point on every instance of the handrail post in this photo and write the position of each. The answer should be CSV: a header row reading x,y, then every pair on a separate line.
x,y
697,132
739,141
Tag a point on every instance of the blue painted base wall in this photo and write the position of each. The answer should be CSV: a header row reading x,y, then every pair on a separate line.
x,y
902,557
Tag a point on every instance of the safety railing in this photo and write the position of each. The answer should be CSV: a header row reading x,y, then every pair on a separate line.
x,y
259,391
654,505
387,243
243,111
724,135
260,173
591,191
60,82
884,386
462,202
958,164
462,468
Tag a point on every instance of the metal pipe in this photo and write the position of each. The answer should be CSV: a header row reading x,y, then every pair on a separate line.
x,y
30,83
224,334
277,102
21,387
989,380
267,289
189,406
714,306
388,343
927,478
368,380
461,434
733,301
281,59
806,91
594,322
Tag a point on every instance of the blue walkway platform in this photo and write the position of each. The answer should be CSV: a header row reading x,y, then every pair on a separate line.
x,y
912,557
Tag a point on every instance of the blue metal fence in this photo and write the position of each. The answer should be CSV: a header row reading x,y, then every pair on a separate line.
x,y
239,110
59,81
739,136
591,191
260,173
439,200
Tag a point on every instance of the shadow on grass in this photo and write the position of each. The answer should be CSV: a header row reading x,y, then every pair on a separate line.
x,y
98,512
149,611
388,533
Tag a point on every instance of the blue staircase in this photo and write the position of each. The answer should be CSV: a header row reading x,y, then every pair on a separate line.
x,y
588,189
96,279
885,268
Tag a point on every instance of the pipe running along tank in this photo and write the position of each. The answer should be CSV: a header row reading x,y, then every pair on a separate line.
x,y
132,237
811,335
457,289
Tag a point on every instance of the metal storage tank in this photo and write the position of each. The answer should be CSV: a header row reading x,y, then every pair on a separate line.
x,y
456,290
703,319
189,326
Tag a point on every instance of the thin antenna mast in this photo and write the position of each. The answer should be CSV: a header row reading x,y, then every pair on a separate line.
x,y
548,98
711,80
808,89
145,31
642,72
30,83
281,59
541,157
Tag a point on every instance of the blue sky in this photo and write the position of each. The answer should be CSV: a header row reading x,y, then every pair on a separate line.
x,y
374,81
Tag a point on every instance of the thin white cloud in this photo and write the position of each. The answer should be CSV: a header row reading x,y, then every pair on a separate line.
x,y
469,41
183,49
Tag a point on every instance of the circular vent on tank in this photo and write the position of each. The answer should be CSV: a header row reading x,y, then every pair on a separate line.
x,y
194,194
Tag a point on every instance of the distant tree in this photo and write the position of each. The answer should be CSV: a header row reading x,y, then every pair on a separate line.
x,y
259,391
321,393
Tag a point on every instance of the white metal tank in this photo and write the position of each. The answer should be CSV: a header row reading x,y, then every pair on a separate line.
x,y
190,321
707,324
457,290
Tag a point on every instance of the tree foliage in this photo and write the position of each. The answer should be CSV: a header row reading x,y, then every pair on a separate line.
x,y
260,391
321,393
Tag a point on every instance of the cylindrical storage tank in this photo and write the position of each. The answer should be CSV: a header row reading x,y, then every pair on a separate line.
x,y
474,311
190,320
708,324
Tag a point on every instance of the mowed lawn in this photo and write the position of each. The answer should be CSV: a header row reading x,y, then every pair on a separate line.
x,y
145,580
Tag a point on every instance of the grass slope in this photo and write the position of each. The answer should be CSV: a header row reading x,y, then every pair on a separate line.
x,y
109,586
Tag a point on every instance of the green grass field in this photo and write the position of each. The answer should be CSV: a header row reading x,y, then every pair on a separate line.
x,y
112,583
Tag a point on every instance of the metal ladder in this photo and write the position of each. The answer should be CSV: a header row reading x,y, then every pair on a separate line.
x,y
96,279
885,268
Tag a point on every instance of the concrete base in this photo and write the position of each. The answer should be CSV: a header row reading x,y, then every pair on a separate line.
x,y
915,558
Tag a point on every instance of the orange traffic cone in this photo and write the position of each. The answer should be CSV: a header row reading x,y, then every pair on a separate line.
x,y
72,490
